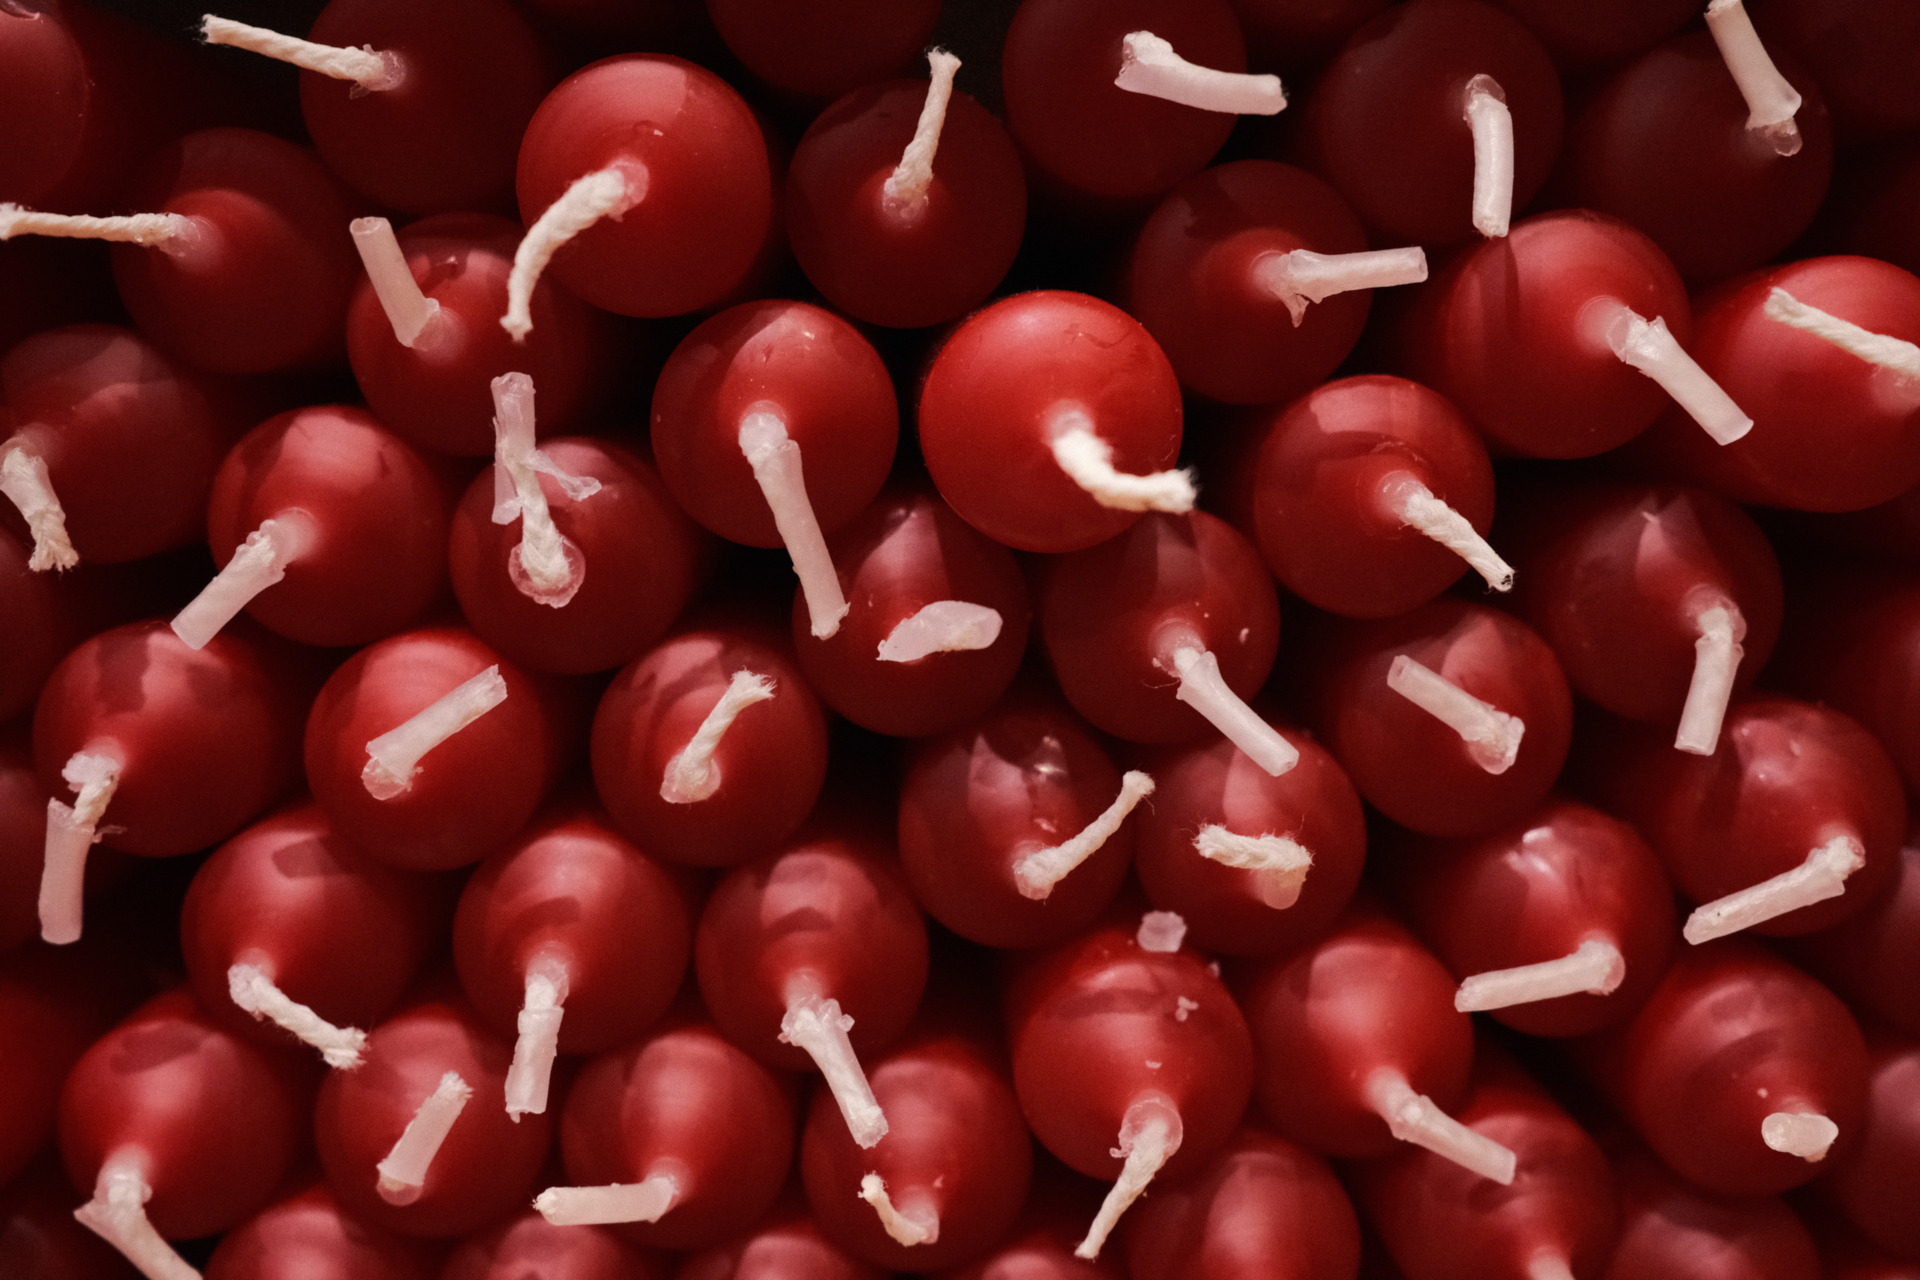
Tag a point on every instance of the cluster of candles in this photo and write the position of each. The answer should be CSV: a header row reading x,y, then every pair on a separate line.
x,y
495,862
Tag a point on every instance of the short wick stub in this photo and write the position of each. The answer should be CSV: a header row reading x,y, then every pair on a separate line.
x,y
25,482
1716,660
1492,736
72,831
645,1201
1162,932
1492,125
945,626
258,563
816,1025
546,566
1149,66
253,990
1036,874
1301,276
1150,1133
417,320
1277,863
1595,967
604,193
1806,1134
1772,103
403,1173
538,1041
903,197
372,71
1412,1117
394,757
913,1221
1415,506
1088,461
1650,347
1823,875
1205,689
692,775
117,1214
775,458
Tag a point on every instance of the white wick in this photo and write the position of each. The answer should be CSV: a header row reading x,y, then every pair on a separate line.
x,y
257,563
1088,461
1037,873
1150,1133
1301,276
1279,864
403,1174
1895,355
918,1222
1549,1266
1149,66
538,1042
1492,124
411,313
645,1201
691,775
1771,101
545,566
117,1214
1412,1117
371,71
252,990
71,834
1595,967
1821,876
1203,688
25,483
817,1026
605,193
394,757
153,230
1806,1134
904,195
1416,507
1161,932
1716,659
1650,347
1492,736
775,459
945,626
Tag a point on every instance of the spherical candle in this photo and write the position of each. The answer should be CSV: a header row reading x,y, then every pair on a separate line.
x,y
1867,957
785,1245
528,1247
1868,1184
38,1234
1669,1228
309,1236
1857,51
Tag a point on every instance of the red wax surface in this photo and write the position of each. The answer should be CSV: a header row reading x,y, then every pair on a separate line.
x,y
488,1164
333,929
1214,783
206,739
1261,1209
956,1147
1366,997
810,368
1111,618
40,629
1831,432
23,829
1387,123
1870,958
1860,51
1664,145
528,1247
905,273
1614,577
1087,1023
772,760
131,441
684,1102
570,890
447,136
438,393
814,50
217,1121
1296,35
1404,761
786,1245
1671,1231
1535,891
1515,332
1581,36
643,560
1041,1243
379,513
471,793
39,1237
905,552
1320,493
1730,1036
1085,139
264,286
1788,777
1873,1183
1190,281
989,405
1849,644
1026,776
828,914
695,235
309,1236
